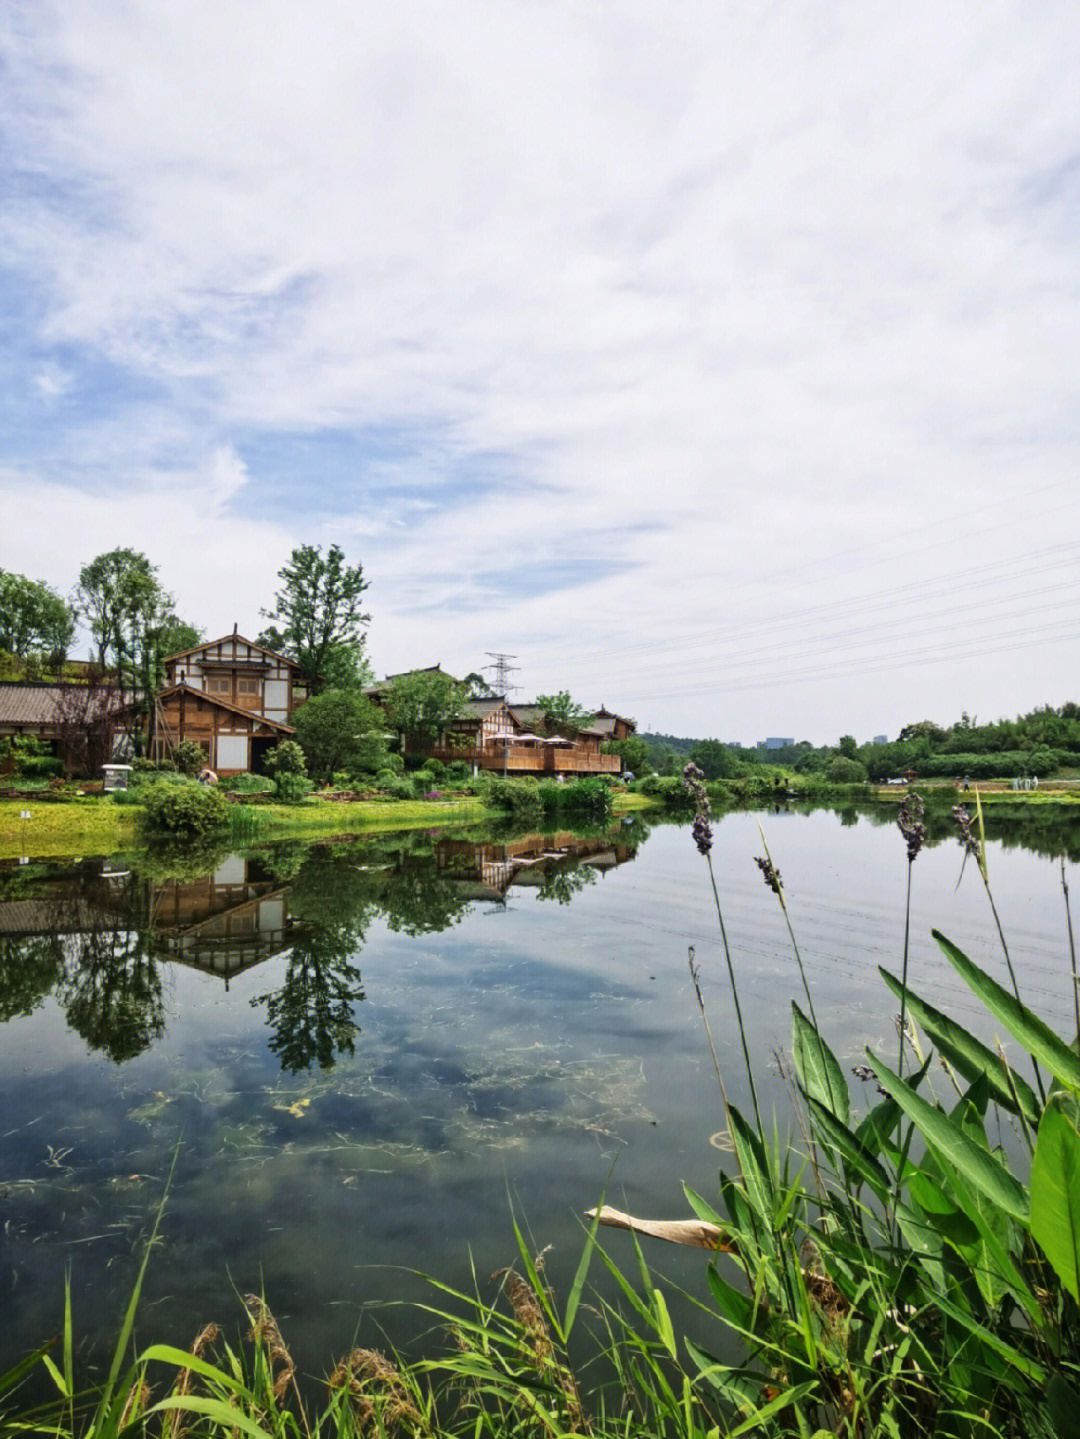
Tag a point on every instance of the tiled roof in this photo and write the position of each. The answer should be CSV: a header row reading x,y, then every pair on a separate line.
x,y
22,704
479,709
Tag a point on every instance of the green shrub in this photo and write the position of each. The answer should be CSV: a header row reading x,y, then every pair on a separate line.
x,y
520,796
668,788
285,758
1002,765
435,768
841,770
385,779
183,807
291,788
459,770
140,765
41,766
591,796
140,779
189,757
247,784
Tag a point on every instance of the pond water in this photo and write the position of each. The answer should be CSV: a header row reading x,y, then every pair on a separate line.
x,y
367,1055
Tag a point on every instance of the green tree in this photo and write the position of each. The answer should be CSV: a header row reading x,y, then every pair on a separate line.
x,y
715,760
318,607
423,704
111,589
847,747
175,635
841,770
346,667
340,729
33,617
562,712
634,753
923,729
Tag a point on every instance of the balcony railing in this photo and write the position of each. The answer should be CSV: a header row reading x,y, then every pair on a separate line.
x,y
529,759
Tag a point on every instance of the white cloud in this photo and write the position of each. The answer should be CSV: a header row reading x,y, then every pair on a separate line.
x,y
774,306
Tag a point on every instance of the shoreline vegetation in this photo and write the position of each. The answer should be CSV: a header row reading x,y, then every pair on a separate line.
x,y
94,824
889,1268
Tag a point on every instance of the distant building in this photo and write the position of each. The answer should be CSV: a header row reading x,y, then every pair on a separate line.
x,y
881,739
777,742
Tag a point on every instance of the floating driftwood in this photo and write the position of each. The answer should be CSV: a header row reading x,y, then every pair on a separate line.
x,y
694,1232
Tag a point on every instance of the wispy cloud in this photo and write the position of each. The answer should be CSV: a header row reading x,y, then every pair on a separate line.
x,y
687,319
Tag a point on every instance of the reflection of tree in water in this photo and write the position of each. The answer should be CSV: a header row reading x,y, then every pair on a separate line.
x,y
112,993
29,970
417,899
1040,827
563,884
311,1014
97,962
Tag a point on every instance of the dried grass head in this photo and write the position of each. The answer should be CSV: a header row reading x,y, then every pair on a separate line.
x,y
264,1330
381,1400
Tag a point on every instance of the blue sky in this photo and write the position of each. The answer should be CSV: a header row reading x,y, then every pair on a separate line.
x,y
718,361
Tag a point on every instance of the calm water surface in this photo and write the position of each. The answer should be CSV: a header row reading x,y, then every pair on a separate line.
x,y
369,1052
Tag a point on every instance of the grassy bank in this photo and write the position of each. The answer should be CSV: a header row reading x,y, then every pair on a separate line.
x,y
93,824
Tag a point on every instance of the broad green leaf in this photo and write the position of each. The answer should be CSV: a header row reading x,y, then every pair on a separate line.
x,y
701,1207
167,1354
223,1414
873,1131
968,1055
736,1307
972,1162
1037,1038
817,1068
1055,1189
856,1156
754,1164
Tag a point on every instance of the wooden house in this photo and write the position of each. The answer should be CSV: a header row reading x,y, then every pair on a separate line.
x,y
232,697
493,735
613,726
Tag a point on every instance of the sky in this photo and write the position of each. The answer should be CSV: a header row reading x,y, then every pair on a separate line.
x,y
719,362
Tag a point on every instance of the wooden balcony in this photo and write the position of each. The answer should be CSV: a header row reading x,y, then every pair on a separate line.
x,y
531,759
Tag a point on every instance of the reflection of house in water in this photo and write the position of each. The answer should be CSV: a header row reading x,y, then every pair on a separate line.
x,y
223,923
487,871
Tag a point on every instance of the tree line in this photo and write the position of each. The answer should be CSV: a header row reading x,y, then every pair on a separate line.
x,y
1038,743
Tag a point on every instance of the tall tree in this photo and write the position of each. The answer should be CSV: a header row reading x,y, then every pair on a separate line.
x,y
318,607
423,703
118,594
33,617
